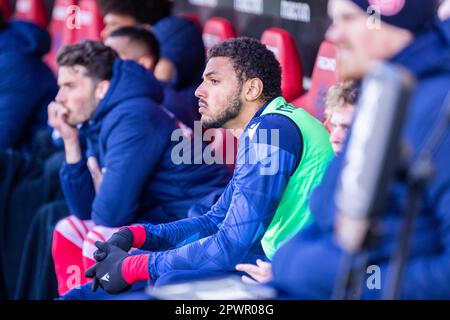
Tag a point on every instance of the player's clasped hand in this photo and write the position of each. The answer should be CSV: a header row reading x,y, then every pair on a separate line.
x,y
122,239
107,273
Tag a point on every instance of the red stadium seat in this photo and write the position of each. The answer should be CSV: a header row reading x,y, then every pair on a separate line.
x,y
91,21
192,17
33,11
63,26
323,77
217,30
5,9
283,45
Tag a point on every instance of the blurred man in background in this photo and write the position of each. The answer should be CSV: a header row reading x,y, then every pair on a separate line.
x,y
340,109
140,45
409,35
182,52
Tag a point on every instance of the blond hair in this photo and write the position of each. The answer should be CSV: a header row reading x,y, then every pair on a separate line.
x,y
340,96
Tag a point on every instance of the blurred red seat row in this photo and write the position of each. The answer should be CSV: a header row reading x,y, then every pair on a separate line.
x,y
73,21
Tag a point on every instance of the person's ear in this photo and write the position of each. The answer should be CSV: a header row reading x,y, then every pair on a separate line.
x,y
253,89
165,70
148,62
102,88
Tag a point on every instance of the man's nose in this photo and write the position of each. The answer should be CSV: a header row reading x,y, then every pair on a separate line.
x,y
333,34
336,135
60,98
200,92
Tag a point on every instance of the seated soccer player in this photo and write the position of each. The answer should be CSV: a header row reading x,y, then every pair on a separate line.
x,y
130,172
140,45
283,153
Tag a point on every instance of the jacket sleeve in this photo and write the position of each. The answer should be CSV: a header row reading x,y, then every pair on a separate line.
x,y
254,200
179,233
78,189
298,266
134,148
14,114
298,269
324,212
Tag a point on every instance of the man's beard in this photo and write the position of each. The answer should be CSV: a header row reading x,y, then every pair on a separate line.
x,y
231,112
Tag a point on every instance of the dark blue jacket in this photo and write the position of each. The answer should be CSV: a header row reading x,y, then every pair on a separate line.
x,y
181,42
130,134
232,230
298,266
27,85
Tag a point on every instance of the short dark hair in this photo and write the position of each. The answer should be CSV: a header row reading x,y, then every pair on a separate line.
x,y
141,37
144,11
97,58
252,59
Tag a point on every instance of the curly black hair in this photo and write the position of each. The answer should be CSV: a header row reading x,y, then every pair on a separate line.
x,y
97,58
142,37
252,59
144,11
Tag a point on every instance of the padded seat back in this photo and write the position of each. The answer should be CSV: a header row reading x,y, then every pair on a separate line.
x,y
323,77
91,21
217,30
283,46
33,11
63,24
